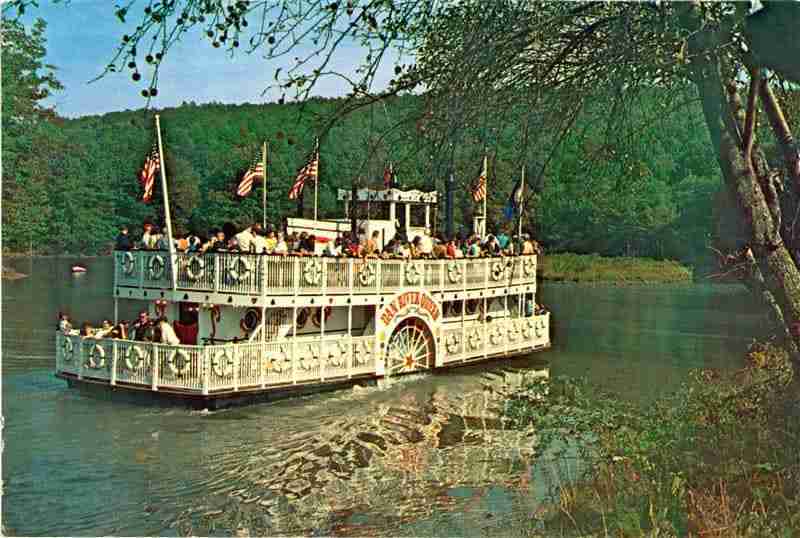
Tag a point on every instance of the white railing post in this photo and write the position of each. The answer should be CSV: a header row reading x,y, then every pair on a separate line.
x,y
378,278
237,363
217,264
80,358
205,370
114,351
155,367
296,275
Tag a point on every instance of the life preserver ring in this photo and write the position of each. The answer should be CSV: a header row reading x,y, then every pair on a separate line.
x,y
95,352
362,354
186,362
337,353
528,266
128,263
302,317
251,320
239,269
454,272
527,328
498,270
309,361
317,317
513,333
496,336
141,358
222,363
452,343
472,306
475,339
156,267
539,328
312,272
366,276
413,273
195,268
67,349
275,363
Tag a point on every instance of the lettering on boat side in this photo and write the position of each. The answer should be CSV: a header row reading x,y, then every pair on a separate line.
x,y
410,298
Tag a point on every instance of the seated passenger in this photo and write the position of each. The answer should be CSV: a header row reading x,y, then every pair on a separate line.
x,y
142,329
168,335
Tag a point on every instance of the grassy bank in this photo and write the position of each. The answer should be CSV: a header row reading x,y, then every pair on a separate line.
x,y
717,458
595,268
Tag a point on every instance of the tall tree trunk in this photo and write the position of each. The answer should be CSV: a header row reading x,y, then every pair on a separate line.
x,y
780,274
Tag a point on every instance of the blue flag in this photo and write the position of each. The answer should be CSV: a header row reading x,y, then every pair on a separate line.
x,y
514,201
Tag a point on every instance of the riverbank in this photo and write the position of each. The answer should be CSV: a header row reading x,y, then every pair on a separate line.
x,y
716,458
622,270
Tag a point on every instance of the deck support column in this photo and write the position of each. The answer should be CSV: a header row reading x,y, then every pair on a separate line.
x,y
114,355
350,339
294,343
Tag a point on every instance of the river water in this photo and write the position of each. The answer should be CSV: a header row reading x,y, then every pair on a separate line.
x,y
425,456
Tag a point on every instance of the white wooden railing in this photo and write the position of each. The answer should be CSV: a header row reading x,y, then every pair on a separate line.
x,y
213,368
251,274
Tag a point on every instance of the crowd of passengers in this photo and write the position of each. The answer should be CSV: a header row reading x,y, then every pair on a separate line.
x,y
257,240
144,329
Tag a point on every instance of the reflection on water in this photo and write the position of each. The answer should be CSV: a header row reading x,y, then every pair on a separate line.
x,y
424,456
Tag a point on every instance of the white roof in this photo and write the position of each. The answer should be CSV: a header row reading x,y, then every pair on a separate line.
x,y
390,195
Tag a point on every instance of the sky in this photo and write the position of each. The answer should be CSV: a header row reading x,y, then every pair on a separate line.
x,y
82,37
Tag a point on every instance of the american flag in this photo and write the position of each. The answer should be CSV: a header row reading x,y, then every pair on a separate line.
x,y
256,171
388,177
308,172
147,177
479,189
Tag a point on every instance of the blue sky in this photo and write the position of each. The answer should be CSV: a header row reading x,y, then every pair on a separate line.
x,y
81,39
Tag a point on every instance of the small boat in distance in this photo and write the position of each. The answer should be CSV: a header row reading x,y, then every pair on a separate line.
x,y
78,269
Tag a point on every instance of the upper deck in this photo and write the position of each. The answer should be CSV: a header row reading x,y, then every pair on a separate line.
x,y
280,281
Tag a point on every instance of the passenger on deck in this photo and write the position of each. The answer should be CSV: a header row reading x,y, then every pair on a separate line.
x,y
259,243
168,335
245,237
142,329
87,331
271,242
371,245
120,330
64,324
105,329
149,230
281,248
217,242
123,240
425,246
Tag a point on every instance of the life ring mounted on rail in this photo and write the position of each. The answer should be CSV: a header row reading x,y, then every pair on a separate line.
x,y
251,320
366,275
239,269
316,319
179,370
140,355
454,272
312,272
67,349
156,267
97,357
222,363
128,263
195,268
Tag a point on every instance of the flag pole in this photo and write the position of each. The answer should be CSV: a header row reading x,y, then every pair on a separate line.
x,y
165,193
486,196
521,201
316,180
264,186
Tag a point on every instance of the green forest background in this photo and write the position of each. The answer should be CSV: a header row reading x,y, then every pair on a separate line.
x,y
68,184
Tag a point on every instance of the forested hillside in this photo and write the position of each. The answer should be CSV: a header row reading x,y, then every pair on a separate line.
x,y
69,183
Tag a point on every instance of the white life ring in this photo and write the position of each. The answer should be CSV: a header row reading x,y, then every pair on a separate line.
x,y
96,351
496,336
275,362
222,363
128,263
195,268
413,273
67,349
310,360
475,339
316,317
539,329
156,267
452,343
528,266
366,275
186,362
513,333
141,357
337,353
239,269
312,272
498,270
454,272
362,354
527,328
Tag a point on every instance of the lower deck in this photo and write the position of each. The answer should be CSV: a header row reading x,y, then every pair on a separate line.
x,y
290,364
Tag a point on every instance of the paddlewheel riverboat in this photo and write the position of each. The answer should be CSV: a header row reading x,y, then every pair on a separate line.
x,y
259,325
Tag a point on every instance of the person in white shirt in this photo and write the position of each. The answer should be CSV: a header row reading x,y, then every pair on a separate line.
x,y
245,237
168,335
259,243
425,245
281,247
